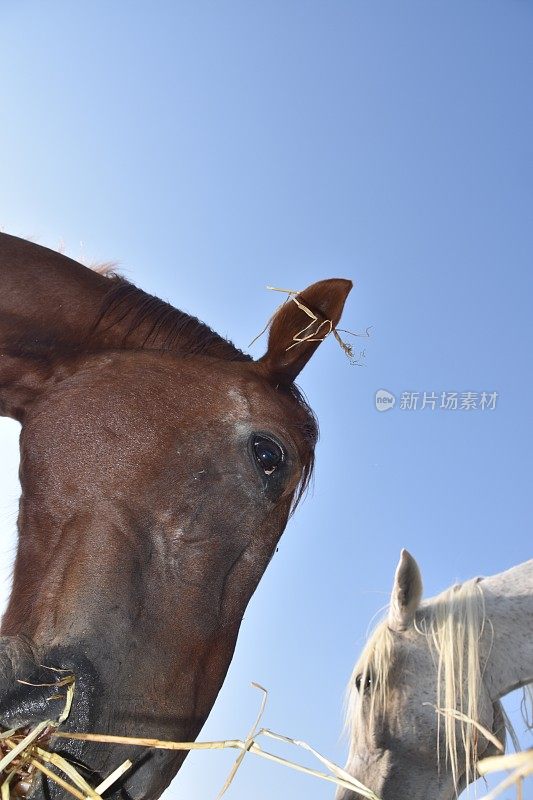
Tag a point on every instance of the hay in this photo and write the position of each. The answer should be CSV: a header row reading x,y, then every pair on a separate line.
x,y
28,752
521,765
454,713
304,335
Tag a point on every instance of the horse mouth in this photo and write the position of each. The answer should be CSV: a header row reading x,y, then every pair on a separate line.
x,y
44,765
46,749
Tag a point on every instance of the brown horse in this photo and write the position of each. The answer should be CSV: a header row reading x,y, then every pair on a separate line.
x,y
159,465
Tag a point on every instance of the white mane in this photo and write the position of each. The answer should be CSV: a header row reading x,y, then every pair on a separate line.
x,y
453,625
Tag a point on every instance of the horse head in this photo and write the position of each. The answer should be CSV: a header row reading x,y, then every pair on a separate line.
x,y
419,709
159,466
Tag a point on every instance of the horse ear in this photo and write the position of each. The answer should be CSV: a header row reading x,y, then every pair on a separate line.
x,y
299,326
406,593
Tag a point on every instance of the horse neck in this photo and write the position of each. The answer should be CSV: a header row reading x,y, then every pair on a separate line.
x,y
509,634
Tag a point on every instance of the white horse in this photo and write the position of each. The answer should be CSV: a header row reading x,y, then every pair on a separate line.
x,y
431,670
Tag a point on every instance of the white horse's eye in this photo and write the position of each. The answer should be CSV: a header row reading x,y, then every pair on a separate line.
x,y
367,682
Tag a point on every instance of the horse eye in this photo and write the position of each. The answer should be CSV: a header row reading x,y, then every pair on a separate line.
x,y
359,681
268,454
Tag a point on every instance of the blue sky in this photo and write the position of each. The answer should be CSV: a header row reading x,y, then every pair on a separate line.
x,y
215,148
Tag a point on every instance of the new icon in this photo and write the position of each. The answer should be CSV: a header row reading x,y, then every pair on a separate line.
x,y
384,400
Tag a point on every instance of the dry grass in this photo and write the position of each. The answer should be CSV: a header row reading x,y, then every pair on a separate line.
x,y
27,752
319,333
520,766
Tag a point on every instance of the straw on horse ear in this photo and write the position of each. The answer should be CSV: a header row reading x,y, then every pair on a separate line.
x,y
300,325
406,593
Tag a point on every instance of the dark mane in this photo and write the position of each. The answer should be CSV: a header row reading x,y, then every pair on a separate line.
x,y
160,325
310,432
